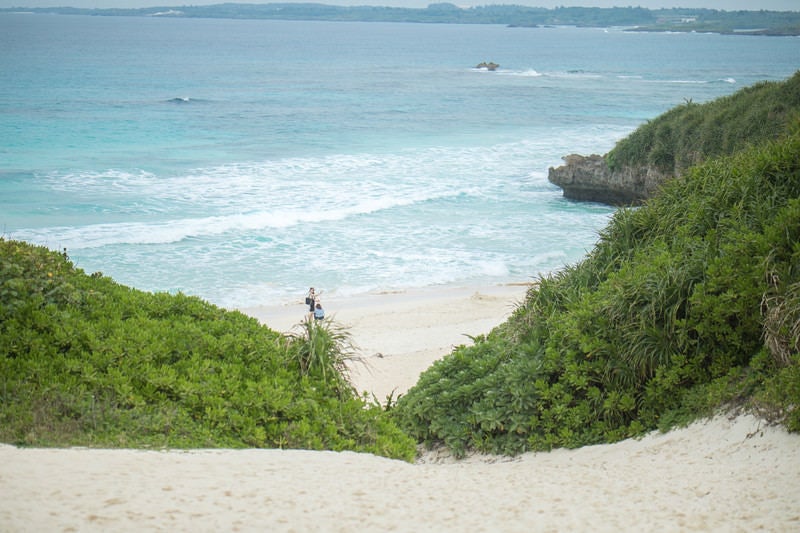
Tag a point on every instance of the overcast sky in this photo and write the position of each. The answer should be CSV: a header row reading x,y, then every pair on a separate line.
x,y
730,5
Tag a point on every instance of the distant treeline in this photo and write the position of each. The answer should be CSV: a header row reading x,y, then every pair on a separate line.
x,y
637,18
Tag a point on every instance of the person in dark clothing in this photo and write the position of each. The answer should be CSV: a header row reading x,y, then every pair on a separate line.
x,y
311,299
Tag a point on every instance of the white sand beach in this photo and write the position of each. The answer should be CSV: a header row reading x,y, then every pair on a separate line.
x,y
400,334
725,474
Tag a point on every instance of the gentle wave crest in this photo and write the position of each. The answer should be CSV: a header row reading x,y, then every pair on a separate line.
x,y
254,231
258,196
172,231
694,82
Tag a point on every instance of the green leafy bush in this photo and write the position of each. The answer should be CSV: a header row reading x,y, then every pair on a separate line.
x,y
86,361
665,320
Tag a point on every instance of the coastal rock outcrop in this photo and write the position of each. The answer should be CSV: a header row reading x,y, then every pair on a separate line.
x,y
588,178
491,65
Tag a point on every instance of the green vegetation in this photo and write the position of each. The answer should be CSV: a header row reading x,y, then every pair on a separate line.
x,y
86,361
691,133
687,304
741,22
640,19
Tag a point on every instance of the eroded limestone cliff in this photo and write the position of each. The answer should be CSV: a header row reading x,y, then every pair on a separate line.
x,y
588,178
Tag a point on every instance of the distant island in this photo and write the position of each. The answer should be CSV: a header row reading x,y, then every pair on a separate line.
x,y
780,23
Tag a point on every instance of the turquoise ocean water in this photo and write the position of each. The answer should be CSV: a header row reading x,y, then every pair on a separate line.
x,y
243,161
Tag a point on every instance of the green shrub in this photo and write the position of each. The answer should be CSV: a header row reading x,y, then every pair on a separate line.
x,y
665,320
86,361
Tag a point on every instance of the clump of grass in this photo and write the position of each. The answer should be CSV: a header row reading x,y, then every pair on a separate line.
x,y
782,323
324,348
691,133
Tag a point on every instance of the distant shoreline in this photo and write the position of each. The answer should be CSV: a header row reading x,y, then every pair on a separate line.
x,y
674,20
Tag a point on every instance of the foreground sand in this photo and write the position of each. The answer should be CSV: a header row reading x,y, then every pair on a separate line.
x,y
719,475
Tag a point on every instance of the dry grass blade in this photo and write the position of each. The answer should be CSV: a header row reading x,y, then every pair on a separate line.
x,y
782,325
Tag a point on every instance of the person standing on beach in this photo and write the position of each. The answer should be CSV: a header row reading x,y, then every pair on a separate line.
x,y
311,300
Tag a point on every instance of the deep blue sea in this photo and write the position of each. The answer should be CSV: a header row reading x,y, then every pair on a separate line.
x,y
243,161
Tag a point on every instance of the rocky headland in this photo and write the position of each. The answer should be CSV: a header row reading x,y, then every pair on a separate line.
x,y
589,179
679,139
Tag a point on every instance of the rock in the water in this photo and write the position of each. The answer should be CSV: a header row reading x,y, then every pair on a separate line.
x,y
488,66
